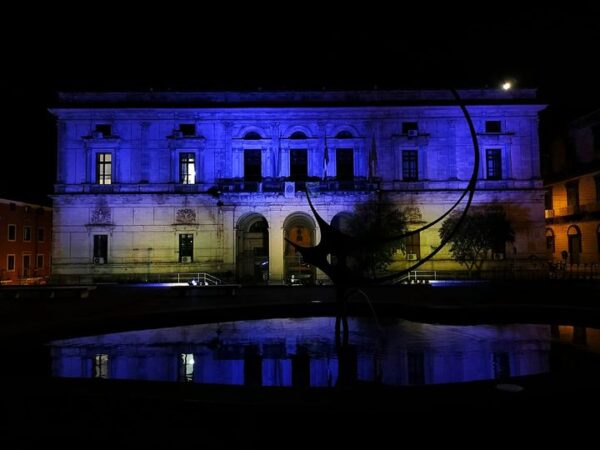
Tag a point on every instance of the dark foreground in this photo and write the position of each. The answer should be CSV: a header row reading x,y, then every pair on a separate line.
x,y
39,410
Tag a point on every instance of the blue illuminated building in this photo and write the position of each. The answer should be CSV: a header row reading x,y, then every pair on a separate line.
x,y
162,183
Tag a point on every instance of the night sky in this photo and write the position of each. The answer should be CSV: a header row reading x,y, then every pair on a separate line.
x,y
555,50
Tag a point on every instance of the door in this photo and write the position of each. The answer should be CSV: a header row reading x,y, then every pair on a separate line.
x,y
186,248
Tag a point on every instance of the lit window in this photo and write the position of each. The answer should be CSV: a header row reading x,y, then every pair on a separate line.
x,y
186,367
100,367
104,168
493,163
187,168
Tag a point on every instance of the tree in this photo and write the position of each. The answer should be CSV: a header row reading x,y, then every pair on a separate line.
x,y
372,224
483,231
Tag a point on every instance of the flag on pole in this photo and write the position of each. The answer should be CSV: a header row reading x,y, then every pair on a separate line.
x,y
325,159
372,160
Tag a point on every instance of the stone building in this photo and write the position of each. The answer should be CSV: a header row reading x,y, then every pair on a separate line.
x,y
162,183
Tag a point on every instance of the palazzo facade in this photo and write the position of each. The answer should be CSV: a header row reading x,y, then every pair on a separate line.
x,y
165,183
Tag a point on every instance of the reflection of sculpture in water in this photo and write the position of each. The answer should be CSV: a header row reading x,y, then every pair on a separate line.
x,y
340,247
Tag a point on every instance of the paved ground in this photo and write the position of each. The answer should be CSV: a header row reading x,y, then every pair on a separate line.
x,y
149,415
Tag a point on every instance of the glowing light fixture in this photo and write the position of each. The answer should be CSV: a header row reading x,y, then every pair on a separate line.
x,y
507,85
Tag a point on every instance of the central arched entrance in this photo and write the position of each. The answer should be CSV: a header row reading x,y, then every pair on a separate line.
x,y
252,260
300,229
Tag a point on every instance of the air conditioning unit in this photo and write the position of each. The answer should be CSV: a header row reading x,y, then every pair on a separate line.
x,y
412,133
289,189
177,133
98,260
186,259
97,134
411,256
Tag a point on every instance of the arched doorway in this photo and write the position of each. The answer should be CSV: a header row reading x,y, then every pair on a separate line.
x,y
252,261
574,235
300,229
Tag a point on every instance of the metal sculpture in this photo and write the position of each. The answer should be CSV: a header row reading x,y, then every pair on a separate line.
x,y
331,254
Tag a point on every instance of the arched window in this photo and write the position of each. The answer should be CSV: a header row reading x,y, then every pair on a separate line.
x,y
252,136
344,134
574,237
298,135
549,240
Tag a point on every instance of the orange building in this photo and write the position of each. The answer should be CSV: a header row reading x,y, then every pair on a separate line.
x,y
573,200
25,242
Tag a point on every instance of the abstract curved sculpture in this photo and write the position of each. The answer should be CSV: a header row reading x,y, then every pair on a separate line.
x,y
339,245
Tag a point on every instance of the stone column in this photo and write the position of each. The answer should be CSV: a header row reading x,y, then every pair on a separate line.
x,y
276,246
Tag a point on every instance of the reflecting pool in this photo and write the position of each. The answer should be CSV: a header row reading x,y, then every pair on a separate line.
x,y
303,352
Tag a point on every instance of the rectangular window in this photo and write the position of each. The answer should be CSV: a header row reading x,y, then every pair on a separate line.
x,y
12,232
252,165
413,246
572,194
493,126
410,128
493,163
597,183
298,164
186,367
187,129
10,263
410,165
416,368
105,129
501,365
100,248
26,233
344,160
186,248
548,201
187,168
104,168
40,234
100,366
39,261
26,266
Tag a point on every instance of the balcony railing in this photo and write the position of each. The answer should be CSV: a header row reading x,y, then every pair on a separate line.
x,y
278,185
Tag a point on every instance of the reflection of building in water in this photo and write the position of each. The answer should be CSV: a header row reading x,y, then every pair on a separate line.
x,y
589,337
302,352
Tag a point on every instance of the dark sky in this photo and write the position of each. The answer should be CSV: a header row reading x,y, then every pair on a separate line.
x,y
553,49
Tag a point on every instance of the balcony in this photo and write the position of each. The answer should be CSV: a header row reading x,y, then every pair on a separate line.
x,y
314,184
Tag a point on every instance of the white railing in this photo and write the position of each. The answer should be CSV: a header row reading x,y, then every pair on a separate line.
x,y
198,279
